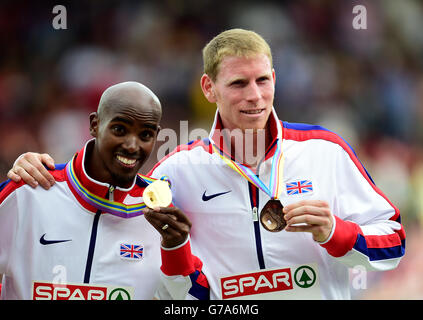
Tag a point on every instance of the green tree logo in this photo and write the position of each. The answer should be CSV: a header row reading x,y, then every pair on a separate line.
x,y
305,276
119,294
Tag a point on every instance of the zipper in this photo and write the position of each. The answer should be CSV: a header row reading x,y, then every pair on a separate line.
x,y
93,238
255,214
254,200
109,195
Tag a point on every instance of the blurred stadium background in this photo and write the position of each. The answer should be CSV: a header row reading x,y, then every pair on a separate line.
x,y
366,85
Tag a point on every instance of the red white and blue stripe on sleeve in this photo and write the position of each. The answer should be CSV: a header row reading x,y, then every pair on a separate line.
x,y
348,235
181,262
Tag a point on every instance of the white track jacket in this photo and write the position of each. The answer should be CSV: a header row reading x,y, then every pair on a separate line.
x,y
243,260
82,239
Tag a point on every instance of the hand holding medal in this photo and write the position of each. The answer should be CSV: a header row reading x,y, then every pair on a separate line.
x,y
312,216
169,221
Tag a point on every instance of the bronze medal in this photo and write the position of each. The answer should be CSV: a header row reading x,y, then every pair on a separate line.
x,y
271,216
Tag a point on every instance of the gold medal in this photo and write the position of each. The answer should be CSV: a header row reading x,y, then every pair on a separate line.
x,y
271,216
157,194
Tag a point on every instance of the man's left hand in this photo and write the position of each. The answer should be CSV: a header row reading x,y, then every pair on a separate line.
x,y
314,215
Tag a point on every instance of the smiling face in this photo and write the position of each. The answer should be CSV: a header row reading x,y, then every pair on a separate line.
x,y
243,91
125,128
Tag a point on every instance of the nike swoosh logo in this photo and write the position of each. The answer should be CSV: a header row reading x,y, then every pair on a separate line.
x,y
207,198
46,242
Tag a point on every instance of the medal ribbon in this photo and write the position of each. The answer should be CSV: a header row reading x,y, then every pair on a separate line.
x,y
276,174
112,207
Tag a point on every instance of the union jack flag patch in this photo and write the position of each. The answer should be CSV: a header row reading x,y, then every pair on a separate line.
x,y
299,187
131,251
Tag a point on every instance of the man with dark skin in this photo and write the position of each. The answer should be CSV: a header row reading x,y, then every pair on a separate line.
x,y
119,167
96,211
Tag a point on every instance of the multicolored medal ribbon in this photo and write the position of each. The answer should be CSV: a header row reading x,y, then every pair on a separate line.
x,y
271,215
112,207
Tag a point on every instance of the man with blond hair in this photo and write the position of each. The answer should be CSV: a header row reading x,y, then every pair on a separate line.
x,y
289,220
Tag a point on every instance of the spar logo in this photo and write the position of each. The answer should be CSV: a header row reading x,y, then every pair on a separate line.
x,y
267,281
54,291
305,276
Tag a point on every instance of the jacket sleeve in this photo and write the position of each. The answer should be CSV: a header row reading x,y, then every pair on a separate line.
x,y
367,226
181,275
9,216
181,271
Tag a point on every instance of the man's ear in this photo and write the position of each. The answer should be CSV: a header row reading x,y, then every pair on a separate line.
x,y
207,87
94,122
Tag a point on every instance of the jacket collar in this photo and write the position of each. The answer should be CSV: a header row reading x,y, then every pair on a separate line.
x,y
274,125
95,195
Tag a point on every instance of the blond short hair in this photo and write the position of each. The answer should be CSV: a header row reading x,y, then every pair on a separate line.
x,y
233,42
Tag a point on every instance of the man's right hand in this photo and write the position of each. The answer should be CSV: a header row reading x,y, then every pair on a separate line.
x,y
30,167
172,224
